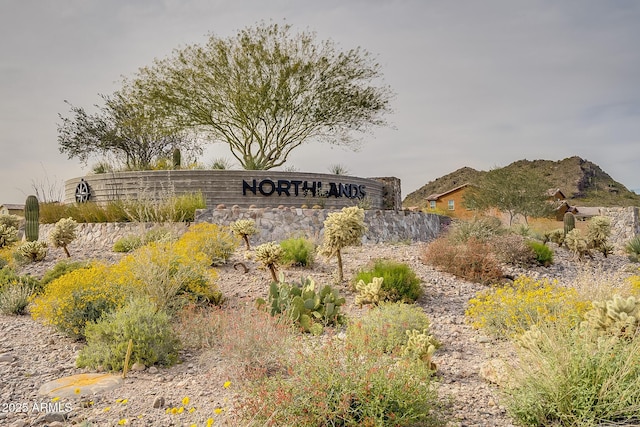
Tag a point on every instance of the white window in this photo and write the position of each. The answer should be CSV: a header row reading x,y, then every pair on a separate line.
x,y
452,205
432,204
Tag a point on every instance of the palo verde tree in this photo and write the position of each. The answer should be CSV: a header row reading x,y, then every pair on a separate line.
x,y
125,129
268,90
514,192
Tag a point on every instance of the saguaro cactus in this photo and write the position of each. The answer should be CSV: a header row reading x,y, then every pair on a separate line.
x,y
177,158
32,218
569,222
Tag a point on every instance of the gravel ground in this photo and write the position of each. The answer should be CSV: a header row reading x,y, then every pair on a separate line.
x,y
32,354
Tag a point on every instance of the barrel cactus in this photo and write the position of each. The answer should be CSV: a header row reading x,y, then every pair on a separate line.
x,y
32,218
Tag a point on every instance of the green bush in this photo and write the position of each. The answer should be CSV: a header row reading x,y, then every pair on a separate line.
x,y
384,328
544,254
216,242
298,252
14,298
400,281
632,248
573,377
8,276
60,269
340,387
127,244
139,321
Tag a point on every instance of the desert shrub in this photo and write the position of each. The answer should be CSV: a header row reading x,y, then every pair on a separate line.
x,y
132,242
632,248
63,233
306,307
216,242
138,320
185,206
334,386
481,229
8,276
384,328
71,301
32,251
512,249
253,342
244,228
127,244
168,275
472,260
8,235
270,256
543,253
14,298
400,282
61,268
510,310
571,377
298,251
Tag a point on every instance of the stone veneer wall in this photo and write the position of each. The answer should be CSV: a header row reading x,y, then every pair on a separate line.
x,y
281,223
275,224
625,224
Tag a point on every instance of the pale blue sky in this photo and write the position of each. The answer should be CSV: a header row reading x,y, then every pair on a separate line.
x,y
478,83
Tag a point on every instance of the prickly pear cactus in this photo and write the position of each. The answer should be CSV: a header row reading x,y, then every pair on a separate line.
x,y
618,316
569,222
370,293
32,218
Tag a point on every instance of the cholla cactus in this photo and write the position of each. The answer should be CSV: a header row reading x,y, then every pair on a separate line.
x,y
556,236
370,293
420,346
618,316
33,251
576,243
270,255
531,338
63,233
8,235
244,228
10,220
342,229
598,231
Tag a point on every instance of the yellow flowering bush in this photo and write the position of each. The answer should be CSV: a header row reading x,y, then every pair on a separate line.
x,y
511,310
634,281
163,270
215,241
81,296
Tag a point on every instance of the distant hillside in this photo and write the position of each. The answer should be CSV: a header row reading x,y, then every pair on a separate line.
x,y
581,181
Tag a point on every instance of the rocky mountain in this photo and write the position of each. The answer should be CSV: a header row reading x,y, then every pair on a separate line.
x,y
583,183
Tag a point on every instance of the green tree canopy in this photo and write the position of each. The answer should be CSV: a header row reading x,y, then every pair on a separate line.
x,y
125,129
517,193
266,91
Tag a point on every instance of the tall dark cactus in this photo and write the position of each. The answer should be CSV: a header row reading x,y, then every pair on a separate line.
x,y
177,158
32,218
569,222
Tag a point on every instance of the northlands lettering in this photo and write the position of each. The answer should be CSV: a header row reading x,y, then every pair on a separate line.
x,y
267,187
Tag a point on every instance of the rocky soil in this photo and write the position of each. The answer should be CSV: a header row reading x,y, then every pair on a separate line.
x,y
32,354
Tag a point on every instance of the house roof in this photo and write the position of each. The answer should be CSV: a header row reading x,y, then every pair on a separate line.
x,y
437,196
13,206
553,192
587,211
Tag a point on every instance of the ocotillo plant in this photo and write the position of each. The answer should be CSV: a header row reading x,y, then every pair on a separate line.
x,y
32,218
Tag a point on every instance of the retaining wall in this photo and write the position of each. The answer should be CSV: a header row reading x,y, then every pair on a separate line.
x,y
239,187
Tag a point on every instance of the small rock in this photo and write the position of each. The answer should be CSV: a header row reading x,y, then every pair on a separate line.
x,y
158,402
6,357
483,340
153,370
139,367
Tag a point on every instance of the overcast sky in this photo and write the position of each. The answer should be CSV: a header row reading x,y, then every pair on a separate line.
x,y
478,83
